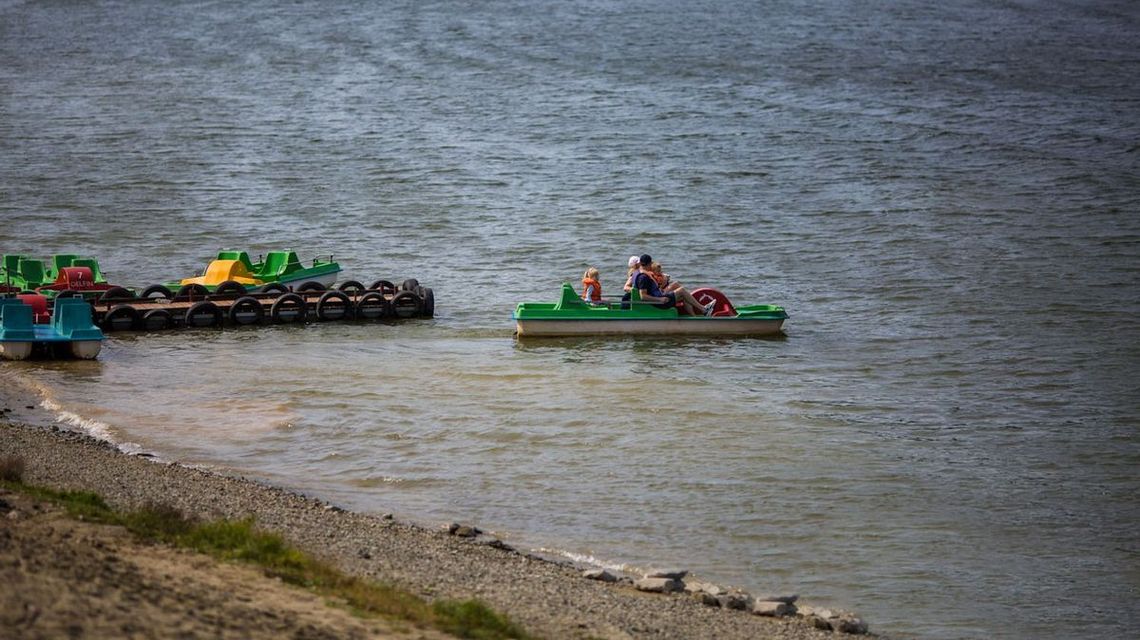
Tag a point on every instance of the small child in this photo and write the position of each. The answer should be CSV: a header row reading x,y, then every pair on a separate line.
x,y
591,286
663,280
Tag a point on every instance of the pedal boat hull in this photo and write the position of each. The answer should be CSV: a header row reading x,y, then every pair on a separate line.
x,y
571,316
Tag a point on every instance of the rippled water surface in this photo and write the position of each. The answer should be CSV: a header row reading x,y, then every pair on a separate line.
x,y
944,197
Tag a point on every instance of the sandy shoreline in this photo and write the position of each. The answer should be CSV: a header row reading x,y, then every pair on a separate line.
x,y
549,599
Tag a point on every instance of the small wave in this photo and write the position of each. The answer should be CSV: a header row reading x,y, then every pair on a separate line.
x,y
586,559
91,427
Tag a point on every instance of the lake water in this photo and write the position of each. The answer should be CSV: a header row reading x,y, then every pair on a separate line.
x,y
943,196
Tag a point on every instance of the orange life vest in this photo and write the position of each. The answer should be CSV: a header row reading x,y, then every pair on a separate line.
x,y
597,293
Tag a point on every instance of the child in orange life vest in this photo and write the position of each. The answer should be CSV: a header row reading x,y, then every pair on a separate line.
x,y
663,280
591,286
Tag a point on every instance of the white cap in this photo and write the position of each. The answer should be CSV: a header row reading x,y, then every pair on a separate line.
x,y
634,261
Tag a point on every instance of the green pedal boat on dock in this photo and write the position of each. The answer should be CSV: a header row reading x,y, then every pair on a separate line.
x,y
573,316
280,267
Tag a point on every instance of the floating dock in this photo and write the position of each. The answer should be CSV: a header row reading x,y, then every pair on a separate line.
x,y
194,307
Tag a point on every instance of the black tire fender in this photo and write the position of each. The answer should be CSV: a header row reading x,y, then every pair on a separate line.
x,y
334,305
230,288
406,304
409,285
351,286
122,317
274,287
159,289
203,314
311,285
372,306
429,302
157,320
246,310
116,293
191,291
383,286
287,308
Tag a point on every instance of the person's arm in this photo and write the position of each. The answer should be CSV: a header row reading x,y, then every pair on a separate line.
x,y
589,293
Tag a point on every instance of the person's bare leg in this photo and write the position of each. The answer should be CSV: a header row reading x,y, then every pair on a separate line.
x,y
689,302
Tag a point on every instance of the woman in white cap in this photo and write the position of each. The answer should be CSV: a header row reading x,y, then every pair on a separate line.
x,y
634,267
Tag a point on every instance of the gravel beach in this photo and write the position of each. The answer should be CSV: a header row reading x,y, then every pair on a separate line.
x,y
549,599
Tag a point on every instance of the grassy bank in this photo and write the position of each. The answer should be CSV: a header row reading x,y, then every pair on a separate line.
x,y
241,541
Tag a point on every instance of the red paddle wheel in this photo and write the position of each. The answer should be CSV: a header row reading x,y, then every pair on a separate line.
x,y
723,308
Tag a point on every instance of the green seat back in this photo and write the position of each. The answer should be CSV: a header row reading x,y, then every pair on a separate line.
x,y
61,260
90,263
569,298
32,271
240,256
275,263
12,262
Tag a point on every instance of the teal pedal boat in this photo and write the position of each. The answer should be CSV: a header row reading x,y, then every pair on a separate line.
x,y
573,316
68,331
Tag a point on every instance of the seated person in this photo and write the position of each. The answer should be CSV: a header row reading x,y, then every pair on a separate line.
x,y
634,267
663,280
645,284
591,286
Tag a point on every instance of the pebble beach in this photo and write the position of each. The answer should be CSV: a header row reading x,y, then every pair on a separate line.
x,y
548,598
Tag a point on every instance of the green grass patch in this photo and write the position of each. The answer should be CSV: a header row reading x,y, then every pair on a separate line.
x,y
473,619
241,541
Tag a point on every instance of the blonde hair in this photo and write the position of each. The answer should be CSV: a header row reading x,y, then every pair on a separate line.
x,y
591,273
655,267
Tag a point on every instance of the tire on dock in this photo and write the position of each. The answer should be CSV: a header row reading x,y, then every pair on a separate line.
x,y
121,317
288,308
351,286
383,286
311,285
273,287
191,291
203,314
429,302
247,310
334,305
372,306
157,320
230,288
406,304
115,293
409,285
162,292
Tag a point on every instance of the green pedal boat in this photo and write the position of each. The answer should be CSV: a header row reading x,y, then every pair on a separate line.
x,y
281,267
573,316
